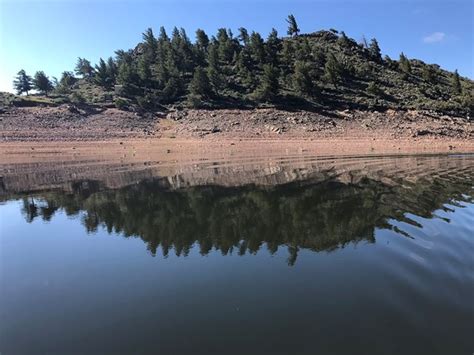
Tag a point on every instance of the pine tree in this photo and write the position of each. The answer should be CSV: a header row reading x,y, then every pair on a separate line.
x,y
42,83
293,29
164,45
101,77
246,77
200,84
302,81
243,36
202,40
225,46
185,51
84,68
112,69
269,86
332,70
143,70
456,82
287,54
374,50
67,79
127,77
66,82
150,44
302,50
404,65
429,74
200,49
272,47
22,83
257,48
214,68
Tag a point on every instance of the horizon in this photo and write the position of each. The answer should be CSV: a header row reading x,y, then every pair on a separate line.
x,y
434,32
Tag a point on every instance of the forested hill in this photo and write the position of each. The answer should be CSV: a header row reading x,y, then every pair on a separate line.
x,y
321,70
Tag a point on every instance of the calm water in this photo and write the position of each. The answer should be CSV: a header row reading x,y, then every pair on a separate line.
x,y
352,257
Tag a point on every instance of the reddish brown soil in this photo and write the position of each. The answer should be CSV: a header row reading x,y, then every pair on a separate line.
x,y
66,123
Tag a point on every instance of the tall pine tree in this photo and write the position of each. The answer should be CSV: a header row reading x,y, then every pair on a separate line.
x,y
293,29
22,83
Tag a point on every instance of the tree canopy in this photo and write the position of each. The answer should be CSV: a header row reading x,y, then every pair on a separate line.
x,y
22,83
323,68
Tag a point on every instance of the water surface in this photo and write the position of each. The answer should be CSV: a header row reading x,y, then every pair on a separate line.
x,y
326,256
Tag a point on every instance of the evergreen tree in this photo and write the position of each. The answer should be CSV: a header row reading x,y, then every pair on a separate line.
x,y
112,69
302,50
185,51
257,48
243,36
269,86
84,68
429,74
67,78
173,89
247,78
66,82
302,81
374,50
202,40
272,47
143,70
287,54
101,77
225,46
404,65
150,44
214,69
22,83
456,82
200,49
293,29
164,45
42,83
332,70
127,77
200,84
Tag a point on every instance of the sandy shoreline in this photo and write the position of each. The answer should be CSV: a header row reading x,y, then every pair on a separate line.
x,y
43,137
189,150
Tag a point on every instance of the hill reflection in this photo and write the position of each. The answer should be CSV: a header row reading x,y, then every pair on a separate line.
x,y
317,214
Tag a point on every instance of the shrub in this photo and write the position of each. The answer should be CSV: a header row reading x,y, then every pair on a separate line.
x,y
121,103
77,98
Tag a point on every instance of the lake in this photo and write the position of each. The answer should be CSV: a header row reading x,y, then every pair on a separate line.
x,y
315,255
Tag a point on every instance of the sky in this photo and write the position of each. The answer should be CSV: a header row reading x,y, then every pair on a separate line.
x,y
50,35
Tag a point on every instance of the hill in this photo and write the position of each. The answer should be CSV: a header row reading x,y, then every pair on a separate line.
x,y
316,71
322,83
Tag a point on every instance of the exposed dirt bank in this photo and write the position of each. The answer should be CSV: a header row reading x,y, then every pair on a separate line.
x,y
65,144
69,123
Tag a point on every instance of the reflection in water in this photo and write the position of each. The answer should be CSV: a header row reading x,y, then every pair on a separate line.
x,y
321,212
380,248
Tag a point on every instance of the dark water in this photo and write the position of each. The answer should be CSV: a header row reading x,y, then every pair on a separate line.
x,y
345,259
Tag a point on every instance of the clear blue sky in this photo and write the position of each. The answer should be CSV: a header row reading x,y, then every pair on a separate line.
x,y
50,35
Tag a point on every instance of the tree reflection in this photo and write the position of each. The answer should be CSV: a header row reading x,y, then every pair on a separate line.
x,y
314,215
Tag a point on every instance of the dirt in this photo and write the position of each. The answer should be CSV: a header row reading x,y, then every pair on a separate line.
x,y
70,123
43,142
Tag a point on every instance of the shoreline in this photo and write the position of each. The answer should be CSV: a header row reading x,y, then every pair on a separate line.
x,y
177,151
64,134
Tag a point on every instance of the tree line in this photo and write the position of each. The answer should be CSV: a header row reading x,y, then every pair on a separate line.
x,y
163,69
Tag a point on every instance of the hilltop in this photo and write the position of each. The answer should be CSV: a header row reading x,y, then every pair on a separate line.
x,y
308,82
